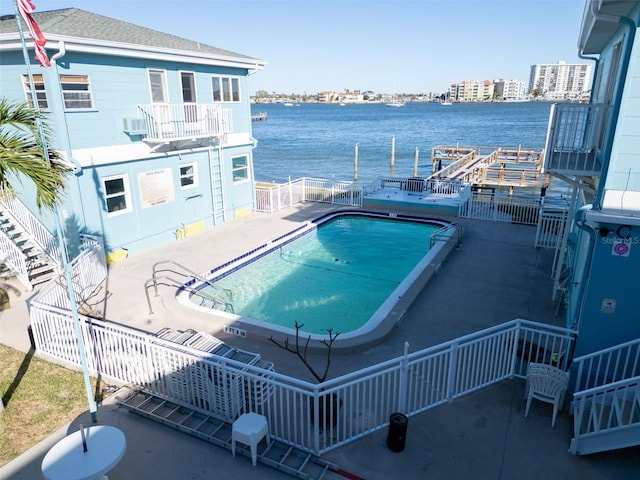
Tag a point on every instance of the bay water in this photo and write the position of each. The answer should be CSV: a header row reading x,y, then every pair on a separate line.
x,y
319,140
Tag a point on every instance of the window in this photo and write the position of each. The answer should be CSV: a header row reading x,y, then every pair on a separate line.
x,y
188,83
188,176
235,89
158,84
217,89
225,89
116,192
41,94
240,168
76,92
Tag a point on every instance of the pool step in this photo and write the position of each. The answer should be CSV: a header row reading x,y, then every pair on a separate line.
x,y
288,459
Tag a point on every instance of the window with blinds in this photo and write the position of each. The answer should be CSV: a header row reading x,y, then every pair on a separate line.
x,y
76,92
38,85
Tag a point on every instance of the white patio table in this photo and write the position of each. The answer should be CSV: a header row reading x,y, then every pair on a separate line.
x,y
67,459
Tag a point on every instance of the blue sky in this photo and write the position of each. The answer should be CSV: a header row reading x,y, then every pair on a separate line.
x,y
414,46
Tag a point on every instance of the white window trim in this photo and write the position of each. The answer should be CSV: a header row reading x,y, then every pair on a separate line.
x,y
164,84
230,79
195,175
90,90
127,194
195,86
247,168
26,84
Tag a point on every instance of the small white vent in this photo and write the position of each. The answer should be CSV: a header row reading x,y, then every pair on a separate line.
x,y
135,126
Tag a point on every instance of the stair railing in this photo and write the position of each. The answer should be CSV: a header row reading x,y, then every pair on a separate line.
x,y
191,277
606,417
14,259
40,235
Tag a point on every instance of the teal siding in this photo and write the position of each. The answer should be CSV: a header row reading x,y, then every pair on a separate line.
x,y
612,280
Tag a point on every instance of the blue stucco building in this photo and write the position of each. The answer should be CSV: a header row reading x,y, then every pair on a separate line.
x,y
157,128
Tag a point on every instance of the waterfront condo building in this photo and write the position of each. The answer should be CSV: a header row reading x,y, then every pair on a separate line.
x,y
561,81
471,91
156,128
510,90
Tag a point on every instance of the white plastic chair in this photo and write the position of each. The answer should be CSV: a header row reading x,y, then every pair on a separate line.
x,y
548,384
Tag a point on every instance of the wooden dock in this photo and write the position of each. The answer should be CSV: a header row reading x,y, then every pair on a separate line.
x,y
490,166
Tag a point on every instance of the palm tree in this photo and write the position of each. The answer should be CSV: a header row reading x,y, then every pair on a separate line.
x,y
22,155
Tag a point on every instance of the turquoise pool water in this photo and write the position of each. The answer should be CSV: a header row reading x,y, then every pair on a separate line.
x,y
336,276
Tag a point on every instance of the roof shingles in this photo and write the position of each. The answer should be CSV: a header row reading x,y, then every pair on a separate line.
x,y
74,22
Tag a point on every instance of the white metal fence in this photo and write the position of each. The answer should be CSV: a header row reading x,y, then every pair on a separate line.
x,y
271,198
88,271
550,220
316,418
500,207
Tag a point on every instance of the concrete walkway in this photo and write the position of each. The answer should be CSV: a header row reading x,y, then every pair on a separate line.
x,y
495,276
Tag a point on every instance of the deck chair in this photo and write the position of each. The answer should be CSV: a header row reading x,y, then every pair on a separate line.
x,y
548,384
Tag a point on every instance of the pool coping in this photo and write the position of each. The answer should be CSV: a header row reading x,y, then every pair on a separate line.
x,y
362,338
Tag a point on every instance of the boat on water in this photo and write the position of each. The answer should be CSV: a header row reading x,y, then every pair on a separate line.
x,y
446,102
288,104
395,103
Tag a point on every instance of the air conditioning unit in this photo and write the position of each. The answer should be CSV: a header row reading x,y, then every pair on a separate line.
x,y
135,126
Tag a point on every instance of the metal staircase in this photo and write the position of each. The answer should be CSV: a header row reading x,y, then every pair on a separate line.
x,y
21,254
290,460
609,418
606,404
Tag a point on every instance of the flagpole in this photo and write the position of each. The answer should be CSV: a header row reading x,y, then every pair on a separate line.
x,y
60,233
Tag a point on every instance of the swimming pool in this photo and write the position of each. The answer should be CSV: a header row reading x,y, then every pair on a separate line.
x,y
345,271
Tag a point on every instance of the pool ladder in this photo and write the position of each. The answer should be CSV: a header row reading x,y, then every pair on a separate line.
x,y
187,285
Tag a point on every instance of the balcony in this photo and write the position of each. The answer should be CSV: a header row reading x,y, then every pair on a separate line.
x,y
179,123
574,139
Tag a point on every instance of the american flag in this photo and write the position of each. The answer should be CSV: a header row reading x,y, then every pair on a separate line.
x,y
25,8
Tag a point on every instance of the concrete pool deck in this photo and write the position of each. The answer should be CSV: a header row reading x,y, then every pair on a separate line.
x,y
495,276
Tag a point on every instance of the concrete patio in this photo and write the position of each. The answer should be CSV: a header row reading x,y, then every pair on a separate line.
x,y
495,276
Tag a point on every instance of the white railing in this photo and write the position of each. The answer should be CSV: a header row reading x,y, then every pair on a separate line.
x,y
431,186
40,235
88,271
336,193
606,417
607,365
316,418
574,138
165,121
271,198
499,207
550,229
606,402
13,257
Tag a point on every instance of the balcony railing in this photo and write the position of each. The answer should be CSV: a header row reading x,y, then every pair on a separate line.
x,y
574,139
168,122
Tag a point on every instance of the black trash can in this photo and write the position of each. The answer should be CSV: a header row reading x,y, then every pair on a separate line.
x,y
397,434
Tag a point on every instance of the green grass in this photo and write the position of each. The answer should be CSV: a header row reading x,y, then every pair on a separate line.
x,y
39,398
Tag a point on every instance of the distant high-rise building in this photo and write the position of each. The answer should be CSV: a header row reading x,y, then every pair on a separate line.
x,y
510,89
561,81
